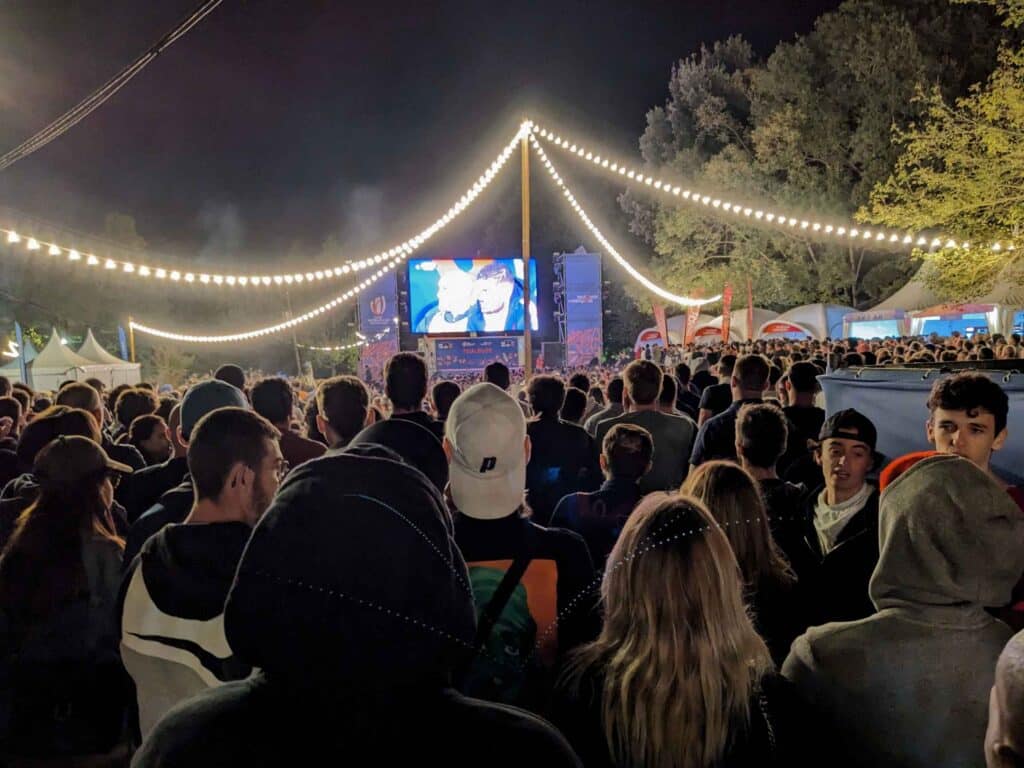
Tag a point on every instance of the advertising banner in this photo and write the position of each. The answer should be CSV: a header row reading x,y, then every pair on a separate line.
x,y
472,355
584,317
378,313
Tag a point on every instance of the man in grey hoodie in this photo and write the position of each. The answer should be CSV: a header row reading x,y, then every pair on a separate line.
x,y
909,686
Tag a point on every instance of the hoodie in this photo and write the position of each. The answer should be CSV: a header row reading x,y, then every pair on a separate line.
x,y
353,602
909,685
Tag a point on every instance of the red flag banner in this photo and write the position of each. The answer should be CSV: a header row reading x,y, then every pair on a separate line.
x,y
726,309
692,318
751,330
662,322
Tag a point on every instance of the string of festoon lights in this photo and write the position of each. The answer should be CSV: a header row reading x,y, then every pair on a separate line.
x,y
684,301
402,250
407,248
361,341
762,216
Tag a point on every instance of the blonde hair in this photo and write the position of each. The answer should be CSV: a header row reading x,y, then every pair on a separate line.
x,y
679,657
734,500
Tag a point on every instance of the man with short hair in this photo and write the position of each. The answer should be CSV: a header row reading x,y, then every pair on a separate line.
x,y
564,457
716,398
599,516
132,403
1004,739
274,400
81,395
497,373
405,384
343,409
172,624
174,504
574,406
442,396
717,436
672,435
231,374
613,393
686,401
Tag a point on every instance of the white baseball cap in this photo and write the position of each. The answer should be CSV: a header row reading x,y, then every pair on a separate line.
x,y
487,473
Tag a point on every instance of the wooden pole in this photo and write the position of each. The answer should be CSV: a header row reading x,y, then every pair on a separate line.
x,y
131,338
524,145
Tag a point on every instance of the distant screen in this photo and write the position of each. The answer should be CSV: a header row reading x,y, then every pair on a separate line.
x,y
469,295
874,329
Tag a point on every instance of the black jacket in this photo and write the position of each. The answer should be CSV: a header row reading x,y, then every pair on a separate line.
x,y
834,587
599,516
141,490
173,507
563,460
126,454
414,440
354,602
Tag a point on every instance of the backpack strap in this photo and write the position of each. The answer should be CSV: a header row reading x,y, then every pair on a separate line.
x,y
492,611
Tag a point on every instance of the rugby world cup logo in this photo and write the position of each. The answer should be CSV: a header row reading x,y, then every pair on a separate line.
x,y
377,305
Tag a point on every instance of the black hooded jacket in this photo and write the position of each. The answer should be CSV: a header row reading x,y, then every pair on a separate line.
x,y
353,601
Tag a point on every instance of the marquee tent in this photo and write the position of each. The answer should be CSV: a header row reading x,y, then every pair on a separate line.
x,y
115,371
891,317
711,331
676,332
57,362
819,321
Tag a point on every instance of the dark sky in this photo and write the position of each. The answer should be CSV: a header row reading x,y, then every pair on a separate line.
x,y
274,122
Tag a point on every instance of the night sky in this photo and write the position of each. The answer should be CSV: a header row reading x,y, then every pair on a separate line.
x,y
278,122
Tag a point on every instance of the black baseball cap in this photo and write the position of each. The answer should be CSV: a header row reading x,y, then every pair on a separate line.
x,y
849,424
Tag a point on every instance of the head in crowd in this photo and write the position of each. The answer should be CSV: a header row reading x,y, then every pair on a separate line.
x,y
405,382
231,374
343,405
497,373
1004,740
97,384
42,566
25,401
667,398
166,406
112,396
627,452
82,395
5,386
546,395
846,453
761,436
10,408
750,377
133,403
574,405
642,384
41,403
487,448
726,363
204,397
615,389
51,424
673,604
235,463
273,399
683,374
443,394
580,381
152,438
967,416
173,422
596,394
734,499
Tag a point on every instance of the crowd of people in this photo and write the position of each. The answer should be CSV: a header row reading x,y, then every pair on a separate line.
x,y
686,564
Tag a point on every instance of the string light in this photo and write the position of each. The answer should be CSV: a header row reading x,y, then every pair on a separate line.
x,y
400,255
362,341
775,218
684,301
327,273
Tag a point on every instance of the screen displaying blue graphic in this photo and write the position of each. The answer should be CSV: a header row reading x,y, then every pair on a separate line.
x,y
461,355
583,316
460,296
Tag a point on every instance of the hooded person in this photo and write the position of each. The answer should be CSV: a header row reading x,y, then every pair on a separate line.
x,y
909,685
353,601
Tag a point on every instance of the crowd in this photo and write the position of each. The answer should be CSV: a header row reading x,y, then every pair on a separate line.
x,y
686,564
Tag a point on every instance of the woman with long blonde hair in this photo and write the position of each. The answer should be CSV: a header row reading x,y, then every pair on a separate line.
x,y
732,497
678,677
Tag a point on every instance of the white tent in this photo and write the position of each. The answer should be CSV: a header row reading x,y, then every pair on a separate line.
x,y
676,332
819,321
12,368
711,331
58,362
115,370
891,317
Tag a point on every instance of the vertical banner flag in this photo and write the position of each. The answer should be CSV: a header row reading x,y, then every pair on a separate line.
x,y
726,312
122,340
378,316
750,311
692,318
662,322
20,340
584,317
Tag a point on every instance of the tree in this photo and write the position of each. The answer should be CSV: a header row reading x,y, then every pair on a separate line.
x,y
809,130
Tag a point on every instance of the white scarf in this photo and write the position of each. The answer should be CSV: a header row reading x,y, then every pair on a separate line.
x,y
829,520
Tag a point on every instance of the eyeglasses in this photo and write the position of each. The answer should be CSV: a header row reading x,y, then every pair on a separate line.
x,y
281,470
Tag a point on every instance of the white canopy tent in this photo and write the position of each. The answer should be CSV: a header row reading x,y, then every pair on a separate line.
x,y
676,332
818,321
115,370
57,362
711,331
891,317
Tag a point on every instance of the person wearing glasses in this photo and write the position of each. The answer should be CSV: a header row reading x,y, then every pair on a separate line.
x,y
172,627
65,694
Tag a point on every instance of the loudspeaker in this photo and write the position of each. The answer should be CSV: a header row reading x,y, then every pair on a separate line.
x,y
554,354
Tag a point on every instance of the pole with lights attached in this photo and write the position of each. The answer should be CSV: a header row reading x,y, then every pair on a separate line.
x,y
524,150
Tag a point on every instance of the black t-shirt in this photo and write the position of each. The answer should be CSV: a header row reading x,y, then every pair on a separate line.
x,y
716,398
257,723
415,440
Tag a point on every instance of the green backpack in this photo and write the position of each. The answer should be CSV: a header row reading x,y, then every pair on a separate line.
x,y
503,664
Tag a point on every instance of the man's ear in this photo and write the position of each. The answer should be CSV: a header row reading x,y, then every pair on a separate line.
x,y
528,447
181,436
1000,440
929,431
321,424
448,449
603,461
237,476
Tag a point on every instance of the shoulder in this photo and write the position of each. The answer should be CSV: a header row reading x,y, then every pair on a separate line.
x,y
815,651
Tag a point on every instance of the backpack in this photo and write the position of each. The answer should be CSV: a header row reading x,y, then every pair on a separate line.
x,y
503,667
